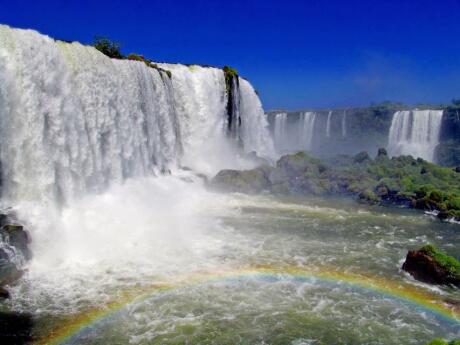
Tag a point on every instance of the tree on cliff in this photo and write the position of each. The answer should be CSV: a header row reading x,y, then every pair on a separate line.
x,y
107,47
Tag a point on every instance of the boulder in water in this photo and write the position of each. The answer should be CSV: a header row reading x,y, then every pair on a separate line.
x,y
246,181
14,249
430,265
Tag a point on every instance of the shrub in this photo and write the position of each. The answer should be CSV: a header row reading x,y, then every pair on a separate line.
x,y
447,262
108,47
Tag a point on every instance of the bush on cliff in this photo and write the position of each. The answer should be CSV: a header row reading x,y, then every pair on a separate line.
x,y
108,47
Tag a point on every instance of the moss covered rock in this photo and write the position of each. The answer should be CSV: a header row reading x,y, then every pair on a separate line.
x,y
246,181
431,265
396,181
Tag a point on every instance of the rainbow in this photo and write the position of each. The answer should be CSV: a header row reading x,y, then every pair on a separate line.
x,y
400,291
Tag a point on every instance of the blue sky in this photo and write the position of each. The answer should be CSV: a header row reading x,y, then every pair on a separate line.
x,y
297,54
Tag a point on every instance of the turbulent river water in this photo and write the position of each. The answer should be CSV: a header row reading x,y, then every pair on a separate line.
x,y
233,269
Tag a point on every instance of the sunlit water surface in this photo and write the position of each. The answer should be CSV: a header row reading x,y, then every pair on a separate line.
x,y
163,261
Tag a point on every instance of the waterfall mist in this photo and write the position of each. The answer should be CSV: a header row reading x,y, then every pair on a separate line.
x,y
100,159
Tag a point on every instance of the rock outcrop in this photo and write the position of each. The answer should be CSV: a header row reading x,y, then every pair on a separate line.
x,y
14,251
432,266
400,181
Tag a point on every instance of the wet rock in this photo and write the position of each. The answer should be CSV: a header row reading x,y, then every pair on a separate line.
x,y
18,238
382,152
4,293
14,249
432,266
369,196
457,169
15,328
246,181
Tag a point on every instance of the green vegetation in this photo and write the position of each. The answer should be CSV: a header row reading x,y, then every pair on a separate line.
x,y
229,73
108,47
439,341
148,63
449,263
400,180
112,50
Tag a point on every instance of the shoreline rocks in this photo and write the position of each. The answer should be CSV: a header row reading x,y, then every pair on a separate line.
x,y
398,181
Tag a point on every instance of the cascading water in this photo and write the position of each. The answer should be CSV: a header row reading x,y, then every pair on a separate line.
x,y
87,145
73,120
415,132
254,124
344,124
328,124
280,131
307,130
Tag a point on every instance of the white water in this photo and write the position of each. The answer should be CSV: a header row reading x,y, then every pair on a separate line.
x,y
73,121
86,144
255,134
328,124
415,133
307,127
280,131
344,124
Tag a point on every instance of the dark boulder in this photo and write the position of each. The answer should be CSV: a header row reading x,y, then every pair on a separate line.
x,y
4,293
457,169
16,328
382,152
18,238
361,157
432,266
14,251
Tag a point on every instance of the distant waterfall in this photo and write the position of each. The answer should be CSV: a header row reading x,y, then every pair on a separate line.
x,y
344,124
280,130
328,124
306,127
415,133
73,121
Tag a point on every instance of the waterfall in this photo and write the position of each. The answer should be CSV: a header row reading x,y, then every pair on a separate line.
x,y
415,133
307,127
254,125
74,121
344,124
328,124
280,130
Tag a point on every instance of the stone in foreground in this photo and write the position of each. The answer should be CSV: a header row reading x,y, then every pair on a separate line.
x,y
432,266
